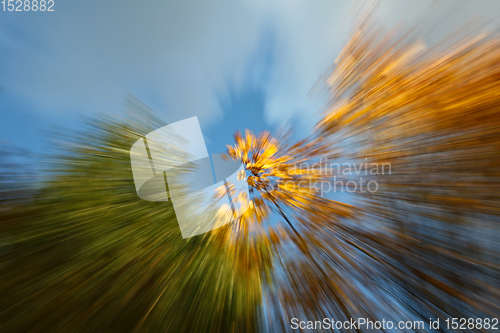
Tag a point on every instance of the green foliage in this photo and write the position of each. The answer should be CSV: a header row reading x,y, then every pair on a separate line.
x,y
86,254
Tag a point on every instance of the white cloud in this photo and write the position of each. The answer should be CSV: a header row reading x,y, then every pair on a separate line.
x,y
86,56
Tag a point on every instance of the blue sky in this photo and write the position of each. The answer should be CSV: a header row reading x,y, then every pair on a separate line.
x,y
234,64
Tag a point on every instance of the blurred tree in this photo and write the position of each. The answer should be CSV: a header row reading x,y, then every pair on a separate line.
x,y
425,243
433,115
85,254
